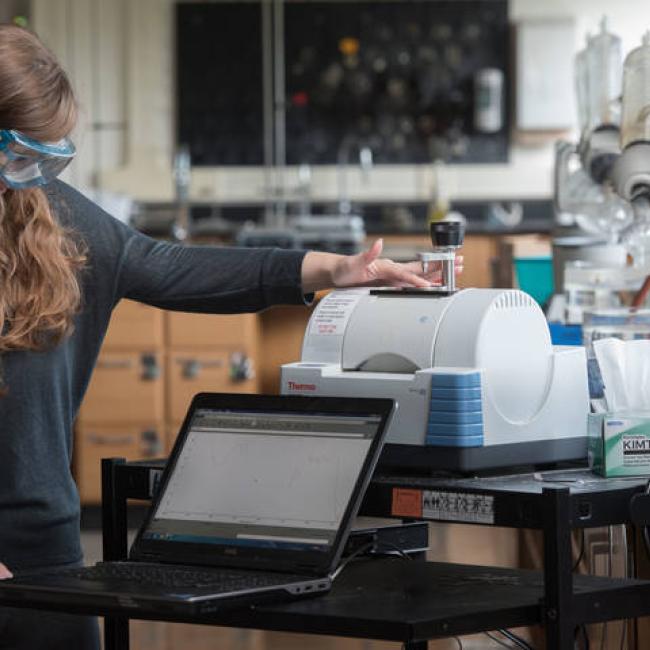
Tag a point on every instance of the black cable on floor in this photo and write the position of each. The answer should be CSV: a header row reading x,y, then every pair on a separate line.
x,y
581,553
517,640
496,639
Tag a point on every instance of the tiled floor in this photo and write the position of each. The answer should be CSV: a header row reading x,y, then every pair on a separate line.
x,y
147,635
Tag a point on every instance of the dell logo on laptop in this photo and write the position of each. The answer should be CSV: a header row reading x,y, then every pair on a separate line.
x,y
230,551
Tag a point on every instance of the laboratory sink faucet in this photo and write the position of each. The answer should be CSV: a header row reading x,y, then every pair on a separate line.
x,y
182,173
343,158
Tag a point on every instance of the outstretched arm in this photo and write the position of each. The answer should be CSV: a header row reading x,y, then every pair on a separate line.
x,y
328,270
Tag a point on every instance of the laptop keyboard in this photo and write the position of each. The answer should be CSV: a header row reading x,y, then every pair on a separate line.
x,y
173,577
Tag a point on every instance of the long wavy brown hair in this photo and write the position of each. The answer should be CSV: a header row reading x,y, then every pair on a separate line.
x,y
39,260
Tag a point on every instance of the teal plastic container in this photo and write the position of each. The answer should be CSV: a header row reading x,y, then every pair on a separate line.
x,y
535,276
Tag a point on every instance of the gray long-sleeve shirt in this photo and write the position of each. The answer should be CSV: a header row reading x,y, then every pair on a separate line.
x,y
39,504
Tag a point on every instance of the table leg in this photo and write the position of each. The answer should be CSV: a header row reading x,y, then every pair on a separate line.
x,y
558,578
116,633
114,542
114,522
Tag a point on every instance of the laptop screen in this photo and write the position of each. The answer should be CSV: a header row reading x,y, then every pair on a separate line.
x,y
263,479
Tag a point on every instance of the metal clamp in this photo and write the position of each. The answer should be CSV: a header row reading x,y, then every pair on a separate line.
x,y
447,259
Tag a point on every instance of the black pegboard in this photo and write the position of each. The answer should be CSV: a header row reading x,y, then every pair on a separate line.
x,y
407,92
219,82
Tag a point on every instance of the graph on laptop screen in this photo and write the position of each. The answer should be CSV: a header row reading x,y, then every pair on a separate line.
x,y
276,480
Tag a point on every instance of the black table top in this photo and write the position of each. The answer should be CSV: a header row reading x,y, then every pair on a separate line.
x,y
578,480
410,600
514,500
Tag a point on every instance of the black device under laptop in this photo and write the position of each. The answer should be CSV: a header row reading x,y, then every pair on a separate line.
x,y
254,505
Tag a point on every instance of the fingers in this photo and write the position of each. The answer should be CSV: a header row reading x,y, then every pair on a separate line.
x,y
374,251
396,274
4,572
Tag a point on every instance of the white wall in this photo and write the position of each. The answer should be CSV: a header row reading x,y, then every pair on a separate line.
x,y
119,54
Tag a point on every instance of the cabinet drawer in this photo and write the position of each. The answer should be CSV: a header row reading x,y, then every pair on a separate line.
x,y
209,330
125,387
195,371
478,251
131,441
135,326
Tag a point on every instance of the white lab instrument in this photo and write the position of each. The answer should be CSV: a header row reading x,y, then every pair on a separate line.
x,y
474,372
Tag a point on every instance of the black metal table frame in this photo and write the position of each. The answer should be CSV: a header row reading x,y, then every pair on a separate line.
x,y
556,511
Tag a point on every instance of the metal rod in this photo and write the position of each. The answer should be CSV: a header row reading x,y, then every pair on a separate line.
x,y
448,278
279,108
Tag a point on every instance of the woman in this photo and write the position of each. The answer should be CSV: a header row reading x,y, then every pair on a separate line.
x,y
64,265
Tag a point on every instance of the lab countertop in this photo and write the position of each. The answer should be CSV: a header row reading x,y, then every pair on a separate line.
x,y
223,221
474,227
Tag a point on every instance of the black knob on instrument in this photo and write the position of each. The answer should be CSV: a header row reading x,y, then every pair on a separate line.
x,y
447,234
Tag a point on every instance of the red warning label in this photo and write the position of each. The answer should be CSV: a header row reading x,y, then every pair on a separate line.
x,y
406,503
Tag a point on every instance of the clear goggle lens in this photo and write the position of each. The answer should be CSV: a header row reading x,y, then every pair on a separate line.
x,y
26,163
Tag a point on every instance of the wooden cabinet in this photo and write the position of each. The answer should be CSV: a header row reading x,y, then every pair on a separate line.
x,y
209,331
198,370
135,326
126,386
97,441
478,252
151,365
208,353
282,331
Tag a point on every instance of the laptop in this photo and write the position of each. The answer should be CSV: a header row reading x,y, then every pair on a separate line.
x,y
255,505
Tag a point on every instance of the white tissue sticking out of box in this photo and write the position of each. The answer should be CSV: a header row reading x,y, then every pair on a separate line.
x,y
625,369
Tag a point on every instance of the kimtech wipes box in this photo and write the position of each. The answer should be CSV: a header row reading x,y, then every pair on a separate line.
x,y
619,443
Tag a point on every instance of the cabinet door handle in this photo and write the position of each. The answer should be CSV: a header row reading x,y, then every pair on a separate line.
x,y
192,367
97,439
241,367
115,364
152,442
150,367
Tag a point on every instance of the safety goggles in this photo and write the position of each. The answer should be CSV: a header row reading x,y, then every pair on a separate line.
x,y
28,163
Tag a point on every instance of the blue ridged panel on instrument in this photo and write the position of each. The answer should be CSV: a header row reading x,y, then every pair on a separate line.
x,y
457,417
456,393
474,405
454,441
470,379
455,410
471,430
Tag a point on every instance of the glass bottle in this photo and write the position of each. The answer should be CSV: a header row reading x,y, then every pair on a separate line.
x,y
604,58
635,125
581,75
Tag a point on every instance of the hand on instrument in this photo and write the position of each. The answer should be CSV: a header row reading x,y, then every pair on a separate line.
x,y
4,572
368,269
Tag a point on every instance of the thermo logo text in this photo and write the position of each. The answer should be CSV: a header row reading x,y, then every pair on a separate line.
x,y
294,386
